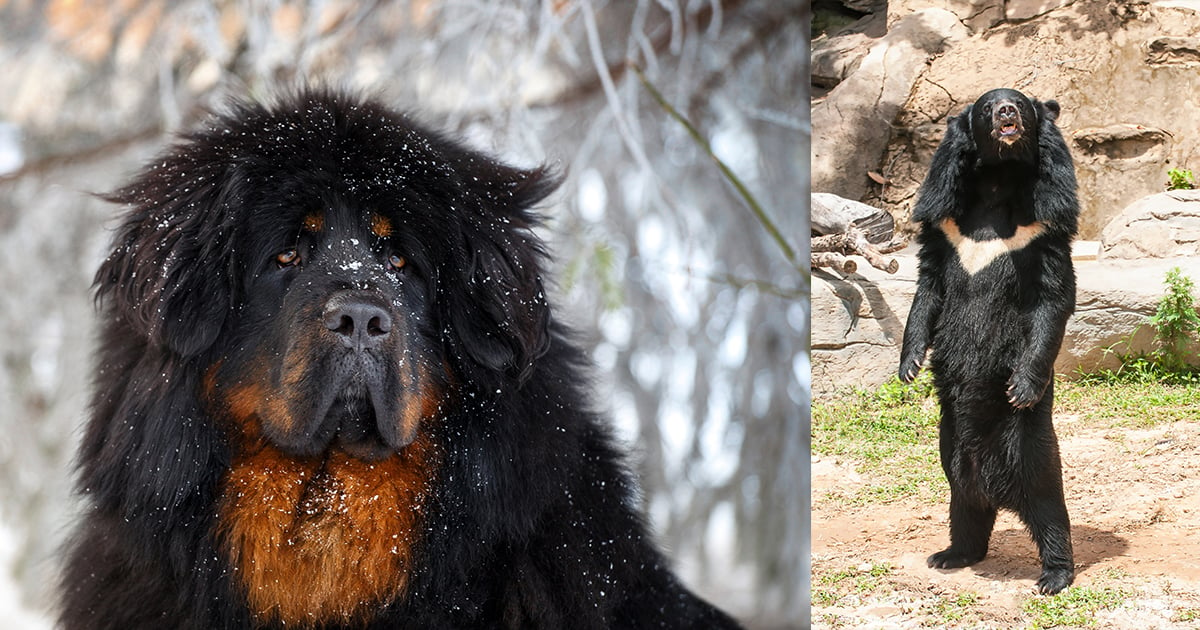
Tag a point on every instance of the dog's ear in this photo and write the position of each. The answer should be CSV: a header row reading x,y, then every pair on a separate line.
x,y
496,306
167,276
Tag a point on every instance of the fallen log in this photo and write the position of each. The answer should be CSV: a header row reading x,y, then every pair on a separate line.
x,y
835,261
831,214
854,241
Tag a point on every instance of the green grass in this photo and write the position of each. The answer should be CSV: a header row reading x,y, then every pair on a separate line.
x,y
891,433
890,436
949,610
831,588
1142,369
1122,405
1076,606
828,588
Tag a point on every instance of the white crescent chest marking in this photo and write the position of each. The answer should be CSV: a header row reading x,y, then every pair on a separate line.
x,y
975,255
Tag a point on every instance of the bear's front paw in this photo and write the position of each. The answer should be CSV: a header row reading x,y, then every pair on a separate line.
x,y
1026,389
910,364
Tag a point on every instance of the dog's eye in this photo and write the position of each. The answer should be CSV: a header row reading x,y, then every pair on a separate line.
x,y
287,258
396,262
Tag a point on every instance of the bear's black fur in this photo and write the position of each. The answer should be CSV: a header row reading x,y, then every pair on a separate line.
x,y
998,212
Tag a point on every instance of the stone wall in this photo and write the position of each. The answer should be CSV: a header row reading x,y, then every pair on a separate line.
x,y
858,320
1124,72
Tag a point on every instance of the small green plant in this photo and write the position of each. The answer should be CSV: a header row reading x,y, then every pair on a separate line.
x,y
1175,322
1139,369
1180,179
1076,606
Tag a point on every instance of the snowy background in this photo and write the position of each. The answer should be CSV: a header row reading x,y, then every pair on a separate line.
x,y
697,310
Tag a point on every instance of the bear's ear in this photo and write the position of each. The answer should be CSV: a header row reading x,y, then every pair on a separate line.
x,y
494,301
965,121
1055,201
168,276
1049,110
941,194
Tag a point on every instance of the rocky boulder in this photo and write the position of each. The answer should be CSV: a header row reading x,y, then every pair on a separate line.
x,y
858,324
1163,225
853,124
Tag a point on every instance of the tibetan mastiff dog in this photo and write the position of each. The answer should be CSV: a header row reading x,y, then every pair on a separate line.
x,y
330,393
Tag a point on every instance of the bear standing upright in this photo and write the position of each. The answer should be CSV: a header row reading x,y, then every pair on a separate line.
x,y
998,211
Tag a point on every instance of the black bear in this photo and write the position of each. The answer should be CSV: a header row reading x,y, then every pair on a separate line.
x,y
998,212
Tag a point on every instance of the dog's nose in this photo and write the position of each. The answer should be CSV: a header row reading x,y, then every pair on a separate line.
x,y
359,325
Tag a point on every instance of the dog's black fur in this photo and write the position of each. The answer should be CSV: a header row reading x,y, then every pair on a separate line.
x,y
998,212
330,394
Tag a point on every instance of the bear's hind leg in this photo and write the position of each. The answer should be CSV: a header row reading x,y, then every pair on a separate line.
x,y
971,522
1044,512
972,515
1041,503
1051,530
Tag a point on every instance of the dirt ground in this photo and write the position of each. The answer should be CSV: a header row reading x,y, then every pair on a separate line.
x,y
1134,500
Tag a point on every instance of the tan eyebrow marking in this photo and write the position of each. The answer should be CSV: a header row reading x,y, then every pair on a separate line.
x,y
381,226
314,222
975,255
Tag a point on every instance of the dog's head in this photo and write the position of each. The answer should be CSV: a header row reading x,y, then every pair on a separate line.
x,y
336,267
